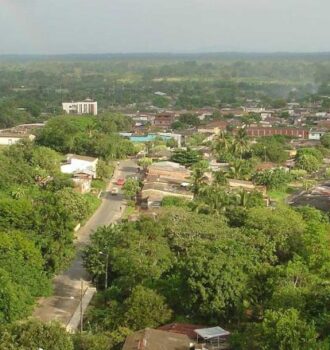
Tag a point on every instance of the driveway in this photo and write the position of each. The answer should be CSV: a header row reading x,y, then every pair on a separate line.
x,y
67,286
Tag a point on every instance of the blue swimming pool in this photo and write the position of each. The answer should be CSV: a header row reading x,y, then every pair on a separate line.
x,y
148,138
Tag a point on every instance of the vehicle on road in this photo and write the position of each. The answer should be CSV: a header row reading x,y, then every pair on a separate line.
x,y
114,191
120,182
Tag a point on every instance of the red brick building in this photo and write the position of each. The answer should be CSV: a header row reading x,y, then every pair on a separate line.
x,y
293,132
164,120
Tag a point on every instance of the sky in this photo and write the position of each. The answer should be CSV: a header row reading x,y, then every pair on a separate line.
x,y
178,26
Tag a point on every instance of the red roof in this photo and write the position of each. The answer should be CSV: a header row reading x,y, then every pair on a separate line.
x,y
182,328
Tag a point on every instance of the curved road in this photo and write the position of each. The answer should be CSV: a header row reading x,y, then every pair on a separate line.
x,y
67,286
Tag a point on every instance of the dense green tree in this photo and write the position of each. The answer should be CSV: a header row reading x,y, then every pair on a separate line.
x,y
307,162
325,140
286,330
15,300
145,308
185,157
104,170
273,179
35,335
131,188
215,281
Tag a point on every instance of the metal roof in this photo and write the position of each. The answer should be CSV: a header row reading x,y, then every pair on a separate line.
x,y
209,333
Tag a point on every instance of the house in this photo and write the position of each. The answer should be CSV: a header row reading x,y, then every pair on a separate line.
x,y
153,193
248,186
214,127
82,181
182,328
10,138
165,179
82,107
170,170
164,120
79,164
316,134
154,339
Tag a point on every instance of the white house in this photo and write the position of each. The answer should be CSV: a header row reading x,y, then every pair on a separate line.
x,y
79,164
83,107
316,134
7,138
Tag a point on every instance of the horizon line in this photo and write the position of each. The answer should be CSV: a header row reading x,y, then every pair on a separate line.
x,y
169,53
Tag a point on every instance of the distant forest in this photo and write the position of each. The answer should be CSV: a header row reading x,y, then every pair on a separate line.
x,y
33,87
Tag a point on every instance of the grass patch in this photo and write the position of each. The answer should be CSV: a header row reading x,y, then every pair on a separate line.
x,y
93,202
99,185
281,195
129,210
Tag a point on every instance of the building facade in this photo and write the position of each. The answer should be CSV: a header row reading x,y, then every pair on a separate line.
x,y
269,131
84,107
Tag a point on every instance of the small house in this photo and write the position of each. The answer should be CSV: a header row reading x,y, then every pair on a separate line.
x,y
79,164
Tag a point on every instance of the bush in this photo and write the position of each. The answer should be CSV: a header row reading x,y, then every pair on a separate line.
x,y
273,179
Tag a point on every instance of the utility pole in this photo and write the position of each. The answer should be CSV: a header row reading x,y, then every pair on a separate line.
x,y
106,271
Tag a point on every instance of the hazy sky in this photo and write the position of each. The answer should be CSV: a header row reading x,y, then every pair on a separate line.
x,y
106,26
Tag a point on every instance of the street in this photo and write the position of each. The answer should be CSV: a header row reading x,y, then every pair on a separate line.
x,y
67,286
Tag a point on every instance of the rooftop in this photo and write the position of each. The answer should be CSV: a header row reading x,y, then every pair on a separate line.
x,y
75,156
181,328
153,339
209,333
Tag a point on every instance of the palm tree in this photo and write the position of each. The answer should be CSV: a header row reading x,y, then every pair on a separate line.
x,y
241,142
236,170
223,142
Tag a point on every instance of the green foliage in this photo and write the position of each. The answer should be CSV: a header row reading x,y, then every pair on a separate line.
x,y
131,188
325,140
172,201
87,341
137,251
145,308
308,162
273,179
271,149
145,162
77,205
185,157
38,210
216,280
15,300
283,226
35,335
285,330
87,136
104,170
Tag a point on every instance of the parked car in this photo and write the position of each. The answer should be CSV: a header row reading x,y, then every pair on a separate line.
x,y
120,182
114,191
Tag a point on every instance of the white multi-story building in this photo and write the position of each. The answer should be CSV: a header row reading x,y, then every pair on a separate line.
x,y
85,107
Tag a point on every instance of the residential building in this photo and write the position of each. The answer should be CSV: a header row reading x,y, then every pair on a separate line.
x,y
165,179
169,170
270,131
154,339
316,134
164,120
82,182
214,127
83,107
153,193
80,164
10,138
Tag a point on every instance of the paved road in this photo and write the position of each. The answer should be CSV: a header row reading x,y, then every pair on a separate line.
x,y
67,286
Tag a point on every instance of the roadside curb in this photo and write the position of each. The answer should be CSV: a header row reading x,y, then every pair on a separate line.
x,y
74,322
